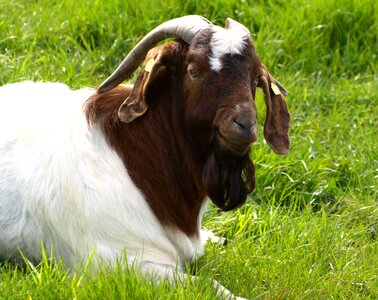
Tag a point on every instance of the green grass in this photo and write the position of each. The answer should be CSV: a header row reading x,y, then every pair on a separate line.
x,y
310,229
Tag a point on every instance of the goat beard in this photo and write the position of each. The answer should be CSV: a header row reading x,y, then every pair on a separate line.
x,y
228,179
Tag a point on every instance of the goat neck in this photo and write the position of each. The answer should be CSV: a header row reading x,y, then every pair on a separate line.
x,y
159,155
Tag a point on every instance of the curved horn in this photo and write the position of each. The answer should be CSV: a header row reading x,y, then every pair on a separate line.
x,y
184,28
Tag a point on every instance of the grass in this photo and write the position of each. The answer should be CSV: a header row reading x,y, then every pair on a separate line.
x,y
310,229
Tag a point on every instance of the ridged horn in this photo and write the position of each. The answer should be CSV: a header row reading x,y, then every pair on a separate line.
x,y
184,28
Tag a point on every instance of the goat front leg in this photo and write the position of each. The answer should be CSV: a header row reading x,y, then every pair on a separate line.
x,y
209,236
224,293
159,272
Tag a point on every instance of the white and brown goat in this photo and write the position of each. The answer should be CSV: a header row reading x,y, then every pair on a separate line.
x,y
130,167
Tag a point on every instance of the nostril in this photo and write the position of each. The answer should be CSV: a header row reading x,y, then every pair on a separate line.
x,y
243,123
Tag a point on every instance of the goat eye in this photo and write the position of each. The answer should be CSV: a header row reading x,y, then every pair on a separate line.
x,y
193,72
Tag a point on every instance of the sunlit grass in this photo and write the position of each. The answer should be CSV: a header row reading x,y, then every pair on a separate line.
x,y
310,229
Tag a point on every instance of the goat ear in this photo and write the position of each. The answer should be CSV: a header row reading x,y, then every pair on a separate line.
x,y
277,120
136,104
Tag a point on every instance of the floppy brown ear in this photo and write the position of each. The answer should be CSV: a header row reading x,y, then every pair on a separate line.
x,y
277,120
136,105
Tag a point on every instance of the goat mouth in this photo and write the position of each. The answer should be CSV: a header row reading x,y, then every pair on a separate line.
x,y
233,146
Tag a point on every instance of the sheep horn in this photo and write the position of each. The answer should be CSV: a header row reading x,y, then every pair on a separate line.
x,y
184,28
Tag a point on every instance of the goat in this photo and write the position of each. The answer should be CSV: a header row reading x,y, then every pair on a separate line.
x,y
131,167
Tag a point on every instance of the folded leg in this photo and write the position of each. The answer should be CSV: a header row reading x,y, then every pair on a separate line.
x,y
161,272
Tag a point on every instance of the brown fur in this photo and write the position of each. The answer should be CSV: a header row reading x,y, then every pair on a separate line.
x,y
151,150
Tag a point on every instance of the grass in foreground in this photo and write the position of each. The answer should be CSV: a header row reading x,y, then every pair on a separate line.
x,y
310,228
271,254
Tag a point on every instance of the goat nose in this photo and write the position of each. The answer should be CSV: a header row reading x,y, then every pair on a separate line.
x,y
243,123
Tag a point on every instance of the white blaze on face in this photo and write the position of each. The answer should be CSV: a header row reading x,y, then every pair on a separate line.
x,y
225,41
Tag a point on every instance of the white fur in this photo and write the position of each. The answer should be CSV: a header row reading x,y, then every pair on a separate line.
x,y
62,185
226,41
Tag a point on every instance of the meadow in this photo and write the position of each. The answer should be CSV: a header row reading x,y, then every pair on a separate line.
x,y
310,228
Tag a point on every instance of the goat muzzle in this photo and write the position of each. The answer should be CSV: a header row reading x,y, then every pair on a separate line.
x,y
236,135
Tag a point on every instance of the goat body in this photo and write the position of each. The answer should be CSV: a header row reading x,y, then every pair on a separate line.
x,y
62,185
130,167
